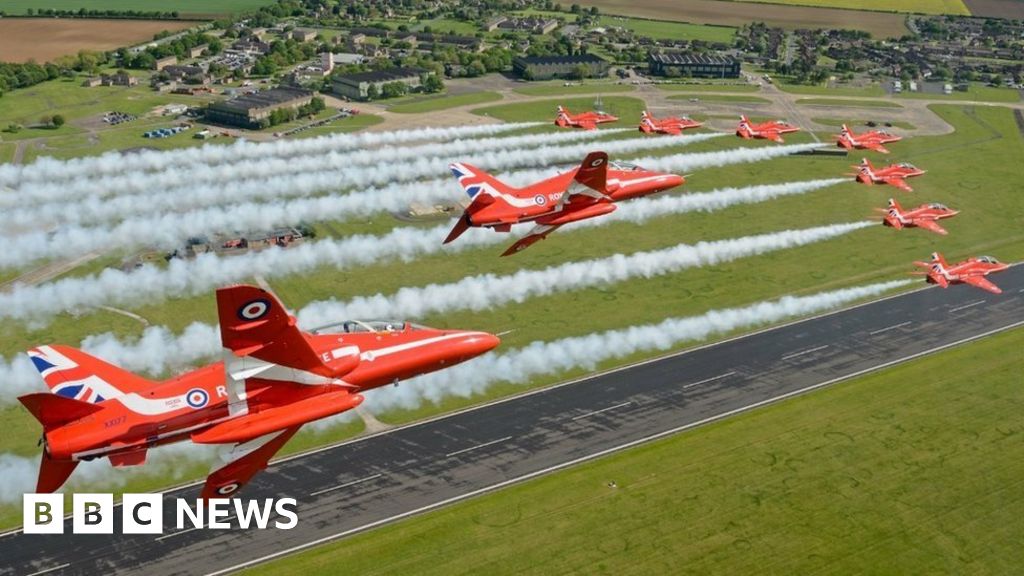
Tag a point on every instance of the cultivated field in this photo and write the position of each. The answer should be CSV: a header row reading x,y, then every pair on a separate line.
x,y
908,471
916,6
186,8
664,29
43,39
1012,9
879,24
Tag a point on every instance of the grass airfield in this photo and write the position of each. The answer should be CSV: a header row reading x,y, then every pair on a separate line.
x,y
985,139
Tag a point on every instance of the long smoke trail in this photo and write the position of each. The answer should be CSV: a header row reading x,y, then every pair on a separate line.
x,y
50,169
521,366
197,276
167,230
542,358
487,291
159,350
184,187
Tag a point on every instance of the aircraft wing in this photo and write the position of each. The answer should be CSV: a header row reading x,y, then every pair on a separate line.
x,y
772,135
876,146
538,232
236,466
930,225
898,182
587,124
981,282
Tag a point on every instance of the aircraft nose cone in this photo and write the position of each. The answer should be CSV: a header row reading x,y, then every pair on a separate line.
x,y
481,342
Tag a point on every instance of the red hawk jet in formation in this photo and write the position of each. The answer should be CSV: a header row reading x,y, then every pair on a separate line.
x,y
771,130
971,271
924,216
670,125
893,174
870,140
585,120
274,378
590,190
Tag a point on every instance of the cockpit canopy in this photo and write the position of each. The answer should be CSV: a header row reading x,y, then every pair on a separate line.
x,y
937,206
623,166
370,326
907,165
988,260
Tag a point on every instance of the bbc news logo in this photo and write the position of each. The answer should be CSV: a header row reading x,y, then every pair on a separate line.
x,y
144,514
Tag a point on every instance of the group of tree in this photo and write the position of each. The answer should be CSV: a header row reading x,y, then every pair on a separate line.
x,y
15,75
283,53
283,115
118,14
180,47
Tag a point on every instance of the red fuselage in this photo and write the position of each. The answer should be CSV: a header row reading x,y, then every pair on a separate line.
x,y
167,413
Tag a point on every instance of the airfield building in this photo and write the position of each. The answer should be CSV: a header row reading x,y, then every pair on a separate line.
x,y
356,86
547,67
688,65
250,110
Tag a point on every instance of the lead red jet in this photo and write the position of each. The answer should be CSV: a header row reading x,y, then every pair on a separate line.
x,y
870,140
893,174
585,120
771,130
671,125
971,271
924,216
588,191
273,379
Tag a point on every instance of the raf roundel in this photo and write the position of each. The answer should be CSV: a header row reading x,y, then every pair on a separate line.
x,y
227,489
596,162
254,309
540,199
197,398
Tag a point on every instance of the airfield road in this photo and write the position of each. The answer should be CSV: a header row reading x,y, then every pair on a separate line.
x,y
360,484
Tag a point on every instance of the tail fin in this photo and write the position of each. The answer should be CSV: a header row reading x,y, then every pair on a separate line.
x,y
71,373
253,322
53,411
894,205
475,181
744,119
593,172
937,258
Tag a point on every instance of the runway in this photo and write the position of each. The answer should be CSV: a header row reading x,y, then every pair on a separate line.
x,y
378,479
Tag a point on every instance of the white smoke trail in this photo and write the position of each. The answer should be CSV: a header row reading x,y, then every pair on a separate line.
x,y
517,367
50,169
166,230
488,291
197,276
97,200
158,350
587,352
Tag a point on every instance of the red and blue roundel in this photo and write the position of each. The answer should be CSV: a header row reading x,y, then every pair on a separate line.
x,y
197,398
254,309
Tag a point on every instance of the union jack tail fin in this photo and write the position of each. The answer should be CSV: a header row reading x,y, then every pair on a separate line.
x,y
71,373
254,323
937,258
478,183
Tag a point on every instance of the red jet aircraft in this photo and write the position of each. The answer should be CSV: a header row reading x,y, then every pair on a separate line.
x,y
771,130
670,125
870,140
585,120
924,216
274,378
584,192
893,174
971,271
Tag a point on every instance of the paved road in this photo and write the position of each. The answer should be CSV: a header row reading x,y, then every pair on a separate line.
x,y
374,480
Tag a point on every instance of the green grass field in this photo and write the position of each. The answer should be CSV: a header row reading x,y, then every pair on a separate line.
x,y
185,7
746,98
847,102
558,88
709,87
447,25
837,122
913,470
975,92
986,139
838,91
443,102
667,30
955,7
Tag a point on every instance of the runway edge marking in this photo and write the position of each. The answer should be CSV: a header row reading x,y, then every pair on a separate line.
x,y
606,451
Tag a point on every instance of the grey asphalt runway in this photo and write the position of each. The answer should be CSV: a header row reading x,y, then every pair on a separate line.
x,y
367,482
